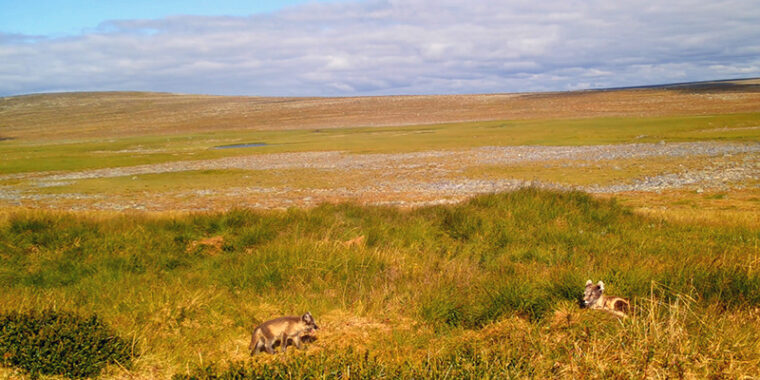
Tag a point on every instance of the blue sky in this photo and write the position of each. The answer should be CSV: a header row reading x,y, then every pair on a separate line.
x,y
372,47
66,17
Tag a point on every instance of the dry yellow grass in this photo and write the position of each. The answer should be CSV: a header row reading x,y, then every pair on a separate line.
x,y
738,207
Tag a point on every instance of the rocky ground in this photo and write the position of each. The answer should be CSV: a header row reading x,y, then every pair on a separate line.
x,y
403,179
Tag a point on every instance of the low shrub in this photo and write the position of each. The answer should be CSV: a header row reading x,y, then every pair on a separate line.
x,y
59,343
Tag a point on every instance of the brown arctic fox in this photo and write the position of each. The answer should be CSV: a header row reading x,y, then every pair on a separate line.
x,y
594,298
281,330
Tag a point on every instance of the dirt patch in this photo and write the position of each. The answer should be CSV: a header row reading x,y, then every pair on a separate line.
x,y
209,246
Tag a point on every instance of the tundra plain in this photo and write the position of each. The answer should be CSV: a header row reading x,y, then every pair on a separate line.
x,y
482,218
156,152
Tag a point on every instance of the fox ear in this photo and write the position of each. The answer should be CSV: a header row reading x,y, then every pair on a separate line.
x,y
306,317
589,282
601,285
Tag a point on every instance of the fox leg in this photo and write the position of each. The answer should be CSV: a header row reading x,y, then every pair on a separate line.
x,y
268,346
258,347
284,342
254,348
256,342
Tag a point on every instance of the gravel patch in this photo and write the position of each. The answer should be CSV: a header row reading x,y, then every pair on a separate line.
x,y
476,156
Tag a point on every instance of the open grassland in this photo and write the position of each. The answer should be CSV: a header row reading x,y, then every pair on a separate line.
x,y
29,155
484,289
156,152
415,164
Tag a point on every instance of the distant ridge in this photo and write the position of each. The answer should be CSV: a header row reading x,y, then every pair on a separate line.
x,y
699,84
742,82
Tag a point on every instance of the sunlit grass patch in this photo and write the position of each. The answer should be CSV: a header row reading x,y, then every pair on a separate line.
x,y
210,180
737,208
676,338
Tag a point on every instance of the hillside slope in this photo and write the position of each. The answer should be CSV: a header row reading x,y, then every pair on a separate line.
x,y
114,114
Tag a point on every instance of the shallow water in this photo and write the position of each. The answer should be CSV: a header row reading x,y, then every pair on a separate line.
x,y
247,145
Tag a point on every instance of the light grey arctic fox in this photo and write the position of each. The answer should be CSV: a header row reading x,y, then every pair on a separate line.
x,y
281,330
594,298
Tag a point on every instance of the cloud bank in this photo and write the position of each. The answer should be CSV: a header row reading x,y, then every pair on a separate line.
x,y
380,47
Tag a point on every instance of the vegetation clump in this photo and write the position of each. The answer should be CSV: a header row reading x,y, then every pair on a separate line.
x,y
60,343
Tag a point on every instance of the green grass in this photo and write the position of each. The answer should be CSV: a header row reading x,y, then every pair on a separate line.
x,y
26,156
198,179
483,289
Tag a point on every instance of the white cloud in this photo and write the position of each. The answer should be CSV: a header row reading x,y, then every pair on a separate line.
x,y
399,47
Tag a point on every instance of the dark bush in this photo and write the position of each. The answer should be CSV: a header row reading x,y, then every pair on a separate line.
x,y
59,343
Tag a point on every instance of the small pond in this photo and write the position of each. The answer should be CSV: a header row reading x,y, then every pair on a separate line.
x,y
246,145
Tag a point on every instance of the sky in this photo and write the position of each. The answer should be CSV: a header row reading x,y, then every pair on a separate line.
x,y
371,47
65,17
